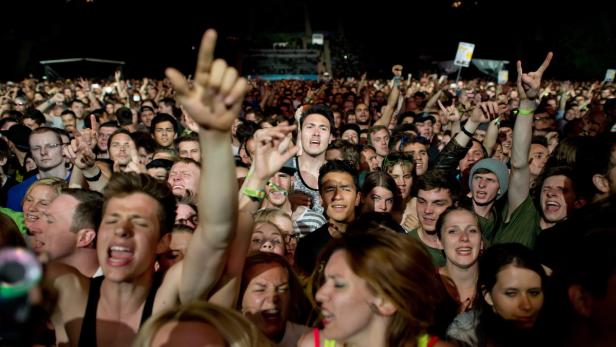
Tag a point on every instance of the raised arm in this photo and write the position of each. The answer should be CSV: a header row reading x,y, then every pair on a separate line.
x,y
528,89
213,101
273,148
392,101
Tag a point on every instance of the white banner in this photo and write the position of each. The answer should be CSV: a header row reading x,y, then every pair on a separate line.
x,y
609,75
464,54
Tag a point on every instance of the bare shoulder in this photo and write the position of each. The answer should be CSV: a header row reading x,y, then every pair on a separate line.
x,y
307,340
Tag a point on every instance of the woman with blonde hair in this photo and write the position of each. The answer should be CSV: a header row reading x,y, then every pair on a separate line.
x,y
38,197
199,324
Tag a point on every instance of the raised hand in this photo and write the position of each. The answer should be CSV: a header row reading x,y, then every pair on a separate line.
x,y
528,84
216,96
484,112
451,112
274,147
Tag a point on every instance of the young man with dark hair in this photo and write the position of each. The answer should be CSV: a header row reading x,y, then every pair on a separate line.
x,y
164,129
435,193
340,195
188,147
139,211
316,124
378,137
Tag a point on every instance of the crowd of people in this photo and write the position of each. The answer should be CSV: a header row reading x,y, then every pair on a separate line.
x,y
216,210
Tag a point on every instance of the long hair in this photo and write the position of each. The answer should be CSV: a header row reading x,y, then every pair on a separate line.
x,y
399,269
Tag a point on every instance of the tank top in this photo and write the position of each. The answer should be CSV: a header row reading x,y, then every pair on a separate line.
x,y
87,336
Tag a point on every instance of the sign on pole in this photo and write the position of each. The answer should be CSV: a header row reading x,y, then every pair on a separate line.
x,y
503,76
317,39
464,54
610,74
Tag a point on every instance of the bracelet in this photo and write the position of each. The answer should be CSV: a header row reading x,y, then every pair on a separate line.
x,y
468,133
95,177
524,112
253,194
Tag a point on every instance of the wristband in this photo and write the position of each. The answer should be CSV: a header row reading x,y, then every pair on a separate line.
x,y
253,194
523,112
468,133
95,177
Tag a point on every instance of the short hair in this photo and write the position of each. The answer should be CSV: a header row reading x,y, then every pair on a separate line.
x,y
88,212
124,116
337,166
36,115
374,129
320,110
123,184
539,140
550,171
398,158
117,132
42,130
164,117
65,112
109,124
194,137
187,161
349,151
55,183
437,179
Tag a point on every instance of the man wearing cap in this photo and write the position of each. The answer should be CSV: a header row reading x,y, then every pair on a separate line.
x,y
46,149
350,133
488,182
276,196
17,139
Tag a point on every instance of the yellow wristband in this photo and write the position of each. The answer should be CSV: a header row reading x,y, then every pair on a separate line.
x,y
254,194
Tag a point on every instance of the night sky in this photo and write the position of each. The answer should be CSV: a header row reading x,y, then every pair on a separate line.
x,y
151,35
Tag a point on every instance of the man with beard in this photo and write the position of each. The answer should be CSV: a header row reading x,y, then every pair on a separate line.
x,y
362,116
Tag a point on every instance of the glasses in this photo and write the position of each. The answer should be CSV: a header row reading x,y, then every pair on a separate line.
x,y
190,221
46,147
164,130
291,237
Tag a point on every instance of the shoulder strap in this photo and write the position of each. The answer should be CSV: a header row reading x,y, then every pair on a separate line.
x,y
315,335
87,336
149,302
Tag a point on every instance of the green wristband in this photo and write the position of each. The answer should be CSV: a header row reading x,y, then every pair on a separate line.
x,y
523,112
254,194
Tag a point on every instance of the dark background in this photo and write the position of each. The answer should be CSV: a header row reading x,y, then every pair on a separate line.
x,y
150,35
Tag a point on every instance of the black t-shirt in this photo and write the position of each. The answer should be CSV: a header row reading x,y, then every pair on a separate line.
x,y
309,248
